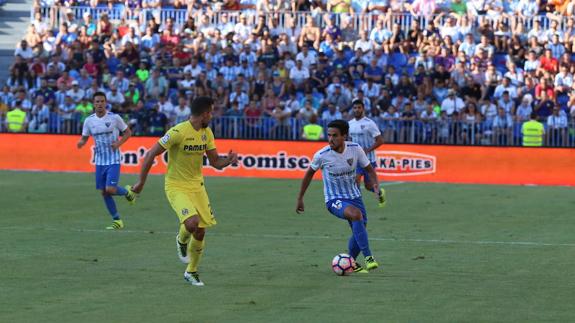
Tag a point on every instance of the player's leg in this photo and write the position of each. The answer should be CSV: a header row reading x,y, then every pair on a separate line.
x,y
353,251
185,210
354,212
356,215
101,184
112,188
197,225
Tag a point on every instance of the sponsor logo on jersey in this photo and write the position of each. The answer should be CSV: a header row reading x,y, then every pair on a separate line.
x,y
403,163
195,147
164,140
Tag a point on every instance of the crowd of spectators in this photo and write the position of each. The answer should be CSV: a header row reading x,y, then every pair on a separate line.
x,y
461,72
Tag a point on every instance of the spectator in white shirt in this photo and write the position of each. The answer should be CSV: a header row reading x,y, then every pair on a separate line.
x,y
452,104
563,80
76,92
240,97
167,108
363,42
557,124
24,51
114,97
330,114
242,29
308,58
299,74
506,103
523,112
505,86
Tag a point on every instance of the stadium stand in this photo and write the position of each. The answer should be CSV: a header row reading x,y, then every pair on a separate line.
x,y
447,72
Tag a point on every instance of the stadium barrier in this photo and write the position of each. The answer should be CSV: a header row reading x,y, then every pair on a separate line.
x,y
443,131
287,159
298,19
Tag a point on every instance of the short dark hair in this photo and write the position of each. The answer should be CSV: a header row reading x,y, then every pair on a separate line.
x,y
342,125
358,101
99,93
201,104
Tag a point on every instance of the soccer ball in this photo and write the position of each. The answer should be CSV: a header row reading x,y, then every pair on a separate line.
x,y
342,264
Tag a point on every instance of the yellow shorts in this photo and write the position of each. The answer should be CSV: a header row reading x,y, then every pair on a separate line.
x,y
187,204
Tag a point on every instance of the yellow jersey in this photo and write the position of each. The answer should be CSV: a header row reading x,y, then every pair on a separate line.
x,y
186,147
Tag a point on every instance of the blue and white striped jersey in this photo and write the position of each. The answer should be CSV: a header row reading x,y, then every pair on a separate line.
x,y
338,170
363,132
105,131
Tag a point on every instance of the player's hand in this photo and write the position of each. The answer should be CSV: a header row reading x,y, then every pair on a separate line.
x,y
138,187
300,208
80,144
366,150
232,157
376,191
115,145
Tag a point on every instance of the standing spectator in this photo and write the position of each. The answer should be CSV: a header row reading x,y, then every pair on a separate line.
x,y
66,113
156,84
533,132
299,75
239,96
452,104
557,125
502,128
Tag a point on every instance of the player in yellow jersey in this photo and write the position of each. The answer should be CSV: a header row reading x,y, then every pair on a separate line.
x,y
186,144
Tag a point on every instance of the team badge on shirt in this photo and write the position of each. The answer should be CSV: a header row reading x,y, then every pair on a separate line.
x,y
204,137
337,204
185,212
108,124
350,161
164,140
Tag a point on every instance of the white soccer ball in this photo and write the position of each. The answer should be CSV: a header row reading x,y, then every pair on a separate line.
x,y
342,264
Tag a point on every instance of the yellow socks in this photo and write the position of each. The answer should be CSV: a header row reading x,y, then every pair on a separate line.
x,y
195,250
183,235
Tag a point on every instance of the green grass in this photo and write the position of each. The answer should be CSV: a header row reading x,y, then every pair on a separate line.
x,y
450,253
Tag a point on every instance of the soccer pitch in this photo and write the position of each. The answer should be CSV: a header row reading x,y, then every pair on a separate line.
x,y
449,253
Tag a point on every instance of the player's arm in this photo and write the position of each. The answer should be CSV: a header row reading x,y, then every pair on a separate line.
x,y
125,135
219,162
156,150
304,185
371,175
372,178
85,135
82,141
378,142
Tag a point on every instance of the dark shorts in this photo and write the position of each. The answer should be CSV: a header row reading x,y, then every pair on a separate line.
x,y
362,172
107,175
337,206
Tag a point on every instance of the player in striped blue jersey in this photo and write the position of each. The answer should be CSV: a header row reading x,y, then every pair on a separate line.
x,y
365,132
338,163
105,128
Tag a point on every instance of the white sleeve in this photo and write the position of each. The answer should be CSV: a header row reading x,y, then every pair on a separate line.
x,y
373,129
120,123
362,160
85,129
317,162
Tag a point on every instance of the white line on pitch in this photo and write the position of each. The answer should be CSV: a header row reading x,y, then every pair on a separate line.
x,y
311,237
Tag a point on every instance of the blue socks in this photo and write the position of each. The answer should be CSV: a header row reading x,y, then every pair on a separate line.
x,y
353,248
111,206
360,235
